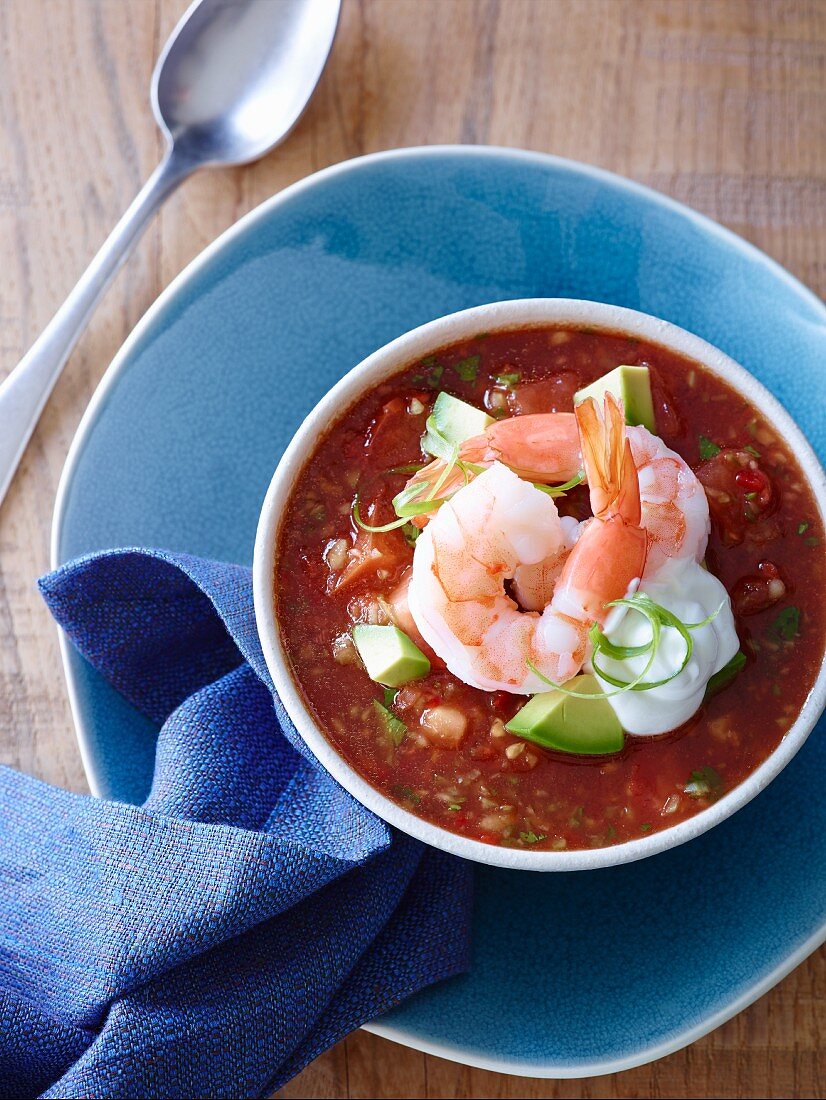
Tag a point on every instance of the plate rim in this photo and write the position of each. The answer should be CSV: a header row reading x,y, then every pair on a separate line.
x,y
111,375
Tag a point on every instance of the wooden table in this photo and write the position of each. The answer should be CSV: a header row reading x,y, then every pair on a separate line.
x,y
720,103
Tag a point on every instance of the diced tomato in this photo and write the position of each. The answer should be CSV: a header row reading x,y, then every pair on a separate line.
x,y
669,422
739,493
394,437
552,394
759,592
374,550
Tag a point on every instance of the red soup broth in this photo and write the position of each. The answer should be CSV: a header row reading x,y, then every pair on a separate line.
x,y
766,546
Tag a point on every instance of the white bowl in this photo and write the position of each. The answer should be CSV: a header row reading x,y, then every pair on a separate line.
x,y
386,362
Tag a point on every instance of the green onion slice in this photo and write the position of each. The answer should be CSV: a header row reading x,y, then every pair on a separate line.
x,y
659,617
560,490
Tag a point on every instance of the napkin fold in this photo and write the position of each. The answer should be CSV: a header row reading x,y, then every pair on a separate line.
x,y
215,940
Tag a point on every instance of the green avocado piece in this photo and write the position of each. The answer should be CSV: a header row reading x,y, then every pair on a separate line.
x,y
566,723
455,421
632,386
389,655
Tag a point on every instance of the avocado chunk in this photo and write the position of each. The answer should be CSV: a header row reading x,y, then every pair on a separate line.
x,y
452,420
389,655
726,675
632,386
566,723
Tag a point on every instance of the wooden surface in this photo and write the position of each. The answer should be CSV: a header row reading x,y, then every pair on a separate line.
x,y
721,104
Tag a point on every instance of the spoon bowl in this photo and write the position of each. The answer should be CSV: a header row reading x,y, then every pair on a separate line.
x,y
236,75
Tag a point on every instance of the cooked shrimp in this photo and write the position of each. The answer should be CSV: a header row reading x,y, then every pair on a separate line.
x,y
545,447
674,504
541,447
499,524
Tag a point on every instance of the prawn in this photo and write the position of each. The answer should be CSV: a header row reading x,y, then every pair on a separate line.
x,y
541,447
545,448
499,524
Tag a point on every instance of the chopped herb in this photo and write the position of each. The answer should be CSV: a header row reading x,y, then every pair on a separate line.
x,y
704,783
395,729
411,532
531,838
435,370
786,626
407,793
389,696
410,468
467,368
498,413
645,827
708,448
750,447
509,379
455,806
750,496
576,817
726,675
802,528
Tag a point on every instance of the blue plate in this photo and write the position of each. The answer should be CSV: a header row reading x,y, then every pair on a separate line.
x,y
574,974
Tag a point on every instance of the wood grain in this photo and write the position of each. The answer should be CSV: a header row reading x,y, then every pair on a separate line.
x,y
721,103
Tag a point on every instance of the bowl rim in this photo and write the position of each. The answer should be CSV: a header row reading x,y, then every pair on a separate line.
x,y
388,360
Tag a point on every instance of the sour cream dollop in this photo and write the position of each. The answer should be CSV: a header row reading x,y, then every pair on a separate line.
x,y
692,594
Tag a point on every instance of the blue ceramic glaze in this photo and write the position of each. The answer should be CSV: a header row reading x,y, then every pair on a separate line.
x,y
574,974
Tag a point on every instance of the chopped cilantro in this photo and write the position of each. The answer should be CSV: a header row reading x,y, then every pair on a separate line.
x,y
509,379
467,368
531,838
708,448
704,783
455,806
435,370
395,729
389,696
411,532
407,793
802,528
786,626
645,827
750,447
576,817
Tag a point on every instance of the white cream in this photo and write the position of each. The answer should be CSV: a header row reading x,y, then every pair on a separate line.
x,y
692,594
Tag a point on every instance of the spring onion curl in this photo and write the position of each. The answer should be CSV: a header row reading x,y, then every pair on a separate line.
x,y
659,617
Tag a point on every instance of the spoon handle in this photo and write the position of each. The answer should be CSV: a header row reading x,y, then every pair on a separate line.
x,y
25,391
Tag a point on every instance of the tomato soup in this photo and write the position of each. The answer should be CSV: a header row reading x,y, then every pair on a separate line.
x,y
467,773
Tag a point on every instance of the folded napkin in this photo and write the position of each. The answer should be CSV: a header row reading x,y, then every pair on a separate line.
x,y
215,940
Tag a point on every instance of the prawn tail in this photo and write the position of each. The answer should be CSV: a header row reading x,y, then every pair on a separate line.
x,y
608,460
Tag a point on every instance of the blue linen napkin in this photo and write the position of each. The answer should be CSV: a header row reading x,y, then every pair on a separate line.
x,y
215,940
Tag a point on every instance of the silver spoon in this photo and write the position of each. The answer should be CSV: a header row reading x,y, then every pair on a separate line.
x,y
230,84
